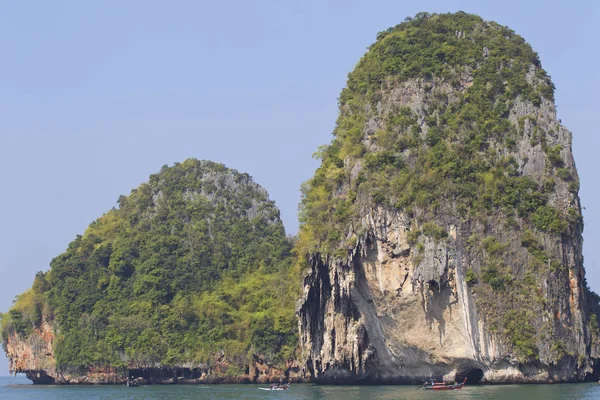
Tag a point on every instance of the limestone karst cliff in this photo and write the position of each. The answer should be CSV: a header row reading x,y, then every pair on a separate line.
x,y
442,231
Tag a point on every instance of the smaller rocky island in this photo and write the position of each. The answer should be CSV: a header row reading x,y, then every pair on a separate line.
x,y
189,279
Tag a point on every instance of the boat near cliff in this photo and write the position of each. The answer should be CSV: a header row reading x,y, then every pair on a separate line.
x,y
277,386
433,385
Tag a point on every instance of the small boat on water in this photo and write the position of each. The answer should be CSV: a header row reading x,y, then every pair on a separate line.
x,y
132,383
275,386
433,385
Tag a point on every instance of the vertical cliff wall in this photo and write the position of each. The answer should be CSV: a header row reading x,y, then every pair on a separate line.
x,y
443,228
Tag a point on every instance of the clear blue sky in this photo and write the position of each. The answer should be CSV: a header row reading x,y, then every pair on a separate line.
x,y
96,96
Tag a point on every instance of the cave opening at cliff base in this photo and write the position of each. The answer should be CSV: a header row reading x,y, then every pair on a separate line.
x,y
473,375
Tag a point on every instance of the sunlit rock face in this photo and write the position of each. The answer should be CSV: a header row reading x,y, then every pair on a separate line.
x,y
452,201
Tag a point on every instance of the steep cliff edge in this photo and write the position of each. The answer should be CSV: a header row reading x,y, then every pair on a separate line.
x,y
188,280
443,227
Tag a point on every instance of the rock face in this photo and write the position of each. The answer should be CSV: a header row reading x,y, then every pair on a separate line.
x,y
475,285
381,317
33,355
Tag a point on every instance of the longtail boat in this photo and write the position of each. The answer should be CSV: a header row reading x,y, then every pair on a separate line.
x,y
433,385
274,386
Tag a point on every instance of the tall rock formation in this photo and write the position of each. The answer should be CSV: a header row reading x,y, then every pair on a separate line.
x,y
188,280
442,231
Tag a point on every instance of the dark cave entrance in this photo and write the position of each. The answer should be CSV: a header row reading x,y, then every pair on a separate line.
x,y
39,378
473,375
434,286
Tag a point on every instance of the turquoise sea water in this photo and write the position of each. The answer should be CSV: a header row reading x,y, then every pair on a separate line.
x,y
20,389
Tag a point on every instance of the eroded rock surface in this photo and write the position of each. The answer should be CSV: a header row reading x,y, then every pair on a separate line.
x,y
34,356
489,287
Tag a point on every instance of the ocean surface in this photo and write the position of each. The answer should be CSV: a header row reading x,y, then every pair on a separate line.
x,y
20,388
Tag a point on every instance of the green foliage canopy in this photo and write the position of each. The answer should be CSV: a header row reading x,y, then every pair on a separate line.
x,y
455,155
191,264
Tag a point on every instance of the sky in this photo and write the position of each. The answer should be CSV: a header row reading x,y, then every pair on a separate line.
x,y
96,96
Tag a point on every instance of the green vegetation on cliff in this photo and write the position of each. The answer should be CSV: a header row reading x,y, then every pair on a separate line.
x,y
453,148
438,120
195,263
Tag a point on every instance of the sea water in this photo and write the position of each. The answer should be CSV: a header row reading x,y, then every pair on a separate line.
x,y
19,388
